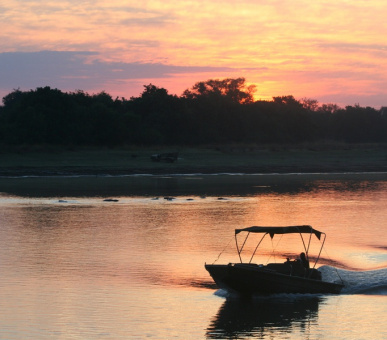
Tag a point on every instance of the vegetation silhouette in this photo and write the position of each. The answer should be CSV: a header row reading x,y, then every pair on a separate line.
x,y
213,111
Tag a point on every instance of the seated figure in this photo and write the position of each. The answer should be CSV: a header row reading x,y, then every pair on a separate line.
x,y
304,261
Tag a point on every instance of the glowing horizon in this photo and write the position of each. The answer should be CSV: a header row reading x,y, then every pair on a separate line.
x,y
330,51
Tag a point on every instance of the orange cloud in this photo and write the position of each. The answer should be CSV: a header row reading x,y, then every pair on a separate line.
x,y
315,49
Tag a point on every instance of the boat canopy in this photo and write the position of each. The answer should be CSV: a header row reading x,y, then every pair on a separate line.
x,y
301,229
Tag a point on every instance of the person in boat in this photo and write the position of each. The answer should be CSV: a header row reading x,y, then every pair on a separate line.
x,y
304,261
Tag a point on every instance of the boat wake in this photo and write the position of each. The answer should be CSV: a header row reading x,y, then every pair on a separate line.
x,y
370,282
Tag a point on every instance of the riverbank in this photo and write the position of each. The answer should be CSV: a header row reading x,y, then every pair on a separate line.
x,y
206,160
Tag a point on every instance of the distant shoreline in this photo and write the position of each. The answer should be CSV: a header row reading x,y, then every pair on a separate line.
x,y
210,160
90,172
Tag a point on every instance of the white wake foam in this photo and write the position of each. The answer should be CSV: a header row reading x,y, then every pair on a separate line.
x,y
373,282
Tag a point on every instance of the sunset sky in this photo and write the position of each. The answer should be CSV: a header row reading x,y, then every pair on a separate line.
x,y
332,51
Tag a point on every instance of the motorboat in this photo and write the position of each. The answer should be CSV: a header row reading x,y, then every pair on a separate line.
x,y
291,276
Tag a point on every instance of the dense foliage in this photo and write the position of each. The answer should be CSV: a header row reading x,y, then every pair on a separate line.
x,y
215,111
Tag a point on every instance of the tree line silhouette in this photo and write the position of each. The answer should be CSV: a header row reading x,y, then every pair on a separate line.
x,y
213,111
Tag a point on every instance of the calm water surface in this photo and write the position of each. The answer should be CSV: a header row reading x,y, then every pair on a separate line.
x,y
74,266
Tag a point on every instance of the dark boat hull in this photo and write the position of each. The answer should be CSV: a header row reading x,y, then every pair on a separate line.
x,y
252,279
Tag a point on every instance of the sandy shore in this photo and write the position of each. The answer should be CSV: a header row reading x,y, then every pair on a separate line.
x,y
204,161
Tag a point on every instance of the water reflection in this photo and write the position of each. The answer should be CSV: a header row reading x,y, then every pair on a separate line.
x,y
243,319
76,266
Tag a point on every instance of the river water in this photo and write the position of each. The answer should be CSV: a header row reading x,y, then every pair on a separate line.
x,y
113,258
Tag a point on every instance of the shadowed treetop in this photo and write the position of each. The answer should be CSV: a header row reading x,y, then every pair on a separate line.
x,y
234,89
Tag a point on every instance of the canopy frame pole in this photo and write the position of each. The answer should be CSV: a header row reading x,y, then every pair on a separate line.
x,y
240,250
303,242
307,250
257,247
322,246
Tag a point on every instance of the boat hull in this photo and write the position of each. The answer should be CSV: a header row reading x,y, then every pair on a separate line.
x,y
250,279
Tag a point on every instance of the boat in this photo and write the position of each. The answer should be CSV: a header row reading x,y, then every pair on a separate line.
x,y
291,276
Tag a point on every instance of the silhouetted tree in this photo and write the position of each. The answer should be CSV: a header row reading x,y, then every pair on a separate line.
x,y
159,114
310,104
214,111
357,124
234,89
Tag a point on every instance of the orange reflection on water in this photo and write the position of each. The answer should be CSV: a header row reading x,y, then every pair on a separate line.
x,y
135,268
